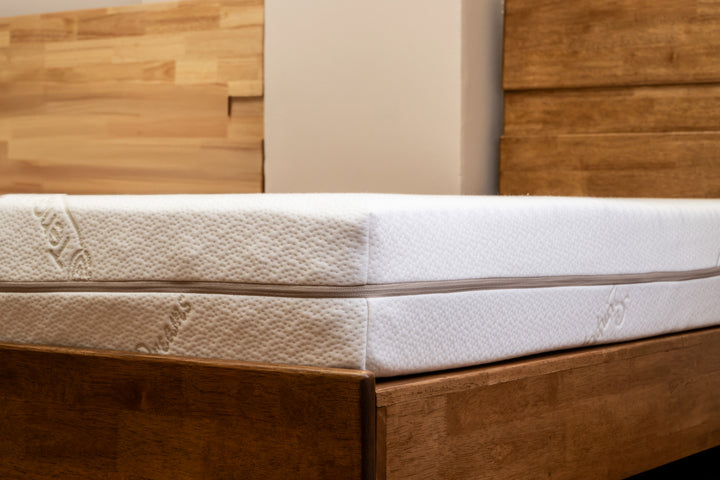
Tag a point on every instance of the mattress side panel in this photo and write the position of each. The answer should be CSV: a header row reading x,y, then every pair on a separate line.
x,y
446,238
305,239
422,333
318,332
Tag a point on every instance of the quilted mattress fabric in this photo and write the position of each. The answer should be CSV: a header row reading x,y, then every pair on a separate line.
x,y
392,283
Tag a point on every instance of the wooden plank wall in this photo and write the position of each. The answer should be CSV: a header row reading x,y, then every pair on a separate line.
x,y
612,98
158,98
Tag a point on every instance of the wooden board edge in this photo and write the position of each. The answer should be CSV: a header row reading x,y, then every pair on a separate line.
x,y
363,375
369,426
380,442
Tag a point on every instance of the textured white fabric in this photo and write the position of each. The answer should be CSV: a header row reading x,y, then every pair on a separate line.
x,y
343,240
280,239
432,332
414,238
353,239
324,332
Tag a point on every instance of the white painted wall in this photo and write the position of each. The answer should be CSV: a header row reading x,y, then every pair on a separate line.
x,y
382,95
482,105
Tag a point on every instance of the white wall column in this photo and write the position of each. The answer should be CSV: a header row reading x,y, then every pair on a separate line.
x,y
382,95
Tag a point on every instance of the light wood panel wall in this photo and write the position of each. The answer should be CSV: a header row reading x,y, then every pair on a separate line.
x,y
612,98
157,98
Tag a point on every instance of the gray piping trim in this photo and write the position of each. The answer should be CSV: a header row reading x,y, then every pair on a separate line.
x,y
354,291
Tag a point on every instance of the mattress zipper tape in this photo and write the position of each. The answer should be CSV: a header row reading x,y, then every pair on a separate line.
x,y
354,291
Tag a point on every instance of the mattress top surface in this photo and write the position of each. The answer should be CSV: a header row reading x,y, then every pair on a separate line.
x,y
348,239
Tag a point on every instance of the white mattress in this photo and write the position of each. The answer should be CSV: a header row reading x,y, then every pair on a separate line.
x,y
395,284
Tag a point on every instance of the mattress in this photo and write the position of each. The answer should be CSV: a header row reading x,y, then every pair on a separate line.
x,y
395,284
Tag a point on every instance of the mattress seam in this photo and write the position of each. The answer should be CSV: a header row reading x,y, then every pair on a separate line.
x,y
367,333
353,291
367,247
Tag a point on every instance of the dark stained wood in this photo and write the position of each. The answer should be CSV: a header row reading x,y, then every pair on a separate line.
x,y
684,108
555,43
625,165
611,98
381,435
606,412
67,413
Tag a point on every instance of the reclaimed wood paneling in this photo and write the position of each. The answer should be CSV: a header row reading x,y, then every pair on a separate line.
x,y
69,413
611,98
612,165
677,108
133,99
560,44
600,413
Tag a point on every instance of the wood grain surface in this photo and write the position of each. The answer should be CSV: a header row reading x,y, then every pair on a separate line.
x,y
611,98
72,414
134,99
612,165
555,43
673,108
606,412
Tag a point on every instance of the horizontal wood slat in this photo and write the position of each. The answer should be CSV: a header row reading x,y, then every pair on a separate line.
x,y
600,413
560,44
626,165
135,20
68,413
694,108
133,99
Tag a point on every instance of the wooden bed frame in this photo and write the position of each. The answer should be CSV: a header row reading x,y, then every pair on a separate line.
x,y
604,412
